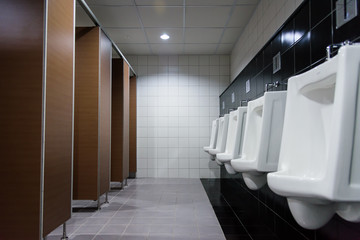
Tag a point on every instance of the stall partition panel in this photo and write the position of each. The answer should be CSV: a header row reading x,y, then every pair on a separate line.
x,y
126,116
105,113
59,114
86,129
33,152
132,123
20,119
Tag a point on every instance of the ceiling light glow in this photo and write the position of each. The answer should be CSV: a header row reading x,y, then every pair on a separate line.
x,y
164,36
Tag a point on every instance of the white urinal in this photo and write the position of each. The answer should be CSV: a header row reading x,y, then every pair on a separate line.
x,y
221,137
260,153
234,140
213,136
319,165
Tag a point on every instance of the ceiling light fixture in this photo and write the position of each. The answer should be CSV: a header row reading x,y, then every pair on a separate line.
x,y
164,36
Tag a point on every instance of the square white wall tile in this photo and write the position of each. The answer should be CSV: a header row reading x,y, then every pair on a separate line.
x,y
177,99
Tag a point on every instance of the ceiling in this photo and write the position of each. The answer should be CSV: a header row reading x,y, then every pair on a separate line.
x,y
194,26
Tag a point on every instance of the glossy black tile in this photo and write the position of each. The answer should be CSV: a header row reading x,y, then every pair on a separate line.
x,y
320,39
302,53
319,10
287,62
302,22
287,36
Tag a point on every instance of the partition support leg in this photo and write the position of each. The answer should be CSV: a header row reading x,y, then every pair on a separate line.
x,y
106,198
98,203
122,185
64,237
125,182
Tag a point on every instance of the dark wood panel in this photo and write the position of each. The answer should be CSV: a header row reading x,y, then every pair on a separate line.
x,y
126,115
21,48
105,103
86,113
59,97
117,121
132,123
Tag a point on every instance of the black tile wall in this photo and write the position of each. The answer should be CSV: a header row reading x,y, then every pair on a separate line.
x,y
302,41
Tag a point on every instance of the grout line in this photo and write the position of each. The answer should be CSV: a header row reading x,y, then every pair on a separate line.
x,y
225,26
143,28
270,209
236,216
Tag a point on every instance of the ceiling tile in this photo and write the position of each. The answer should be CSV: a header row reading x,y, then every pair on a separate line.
x,y
114,2
239,2
112,16
207,16
82,19
168,49
161,16
126,35
202,35
200,48
241,15
208,2
153,34
224,48
136,49
159,2
231,35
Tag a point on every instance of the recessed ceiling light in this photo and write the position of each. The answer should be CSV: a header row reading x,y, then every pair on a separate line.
x,y
164,36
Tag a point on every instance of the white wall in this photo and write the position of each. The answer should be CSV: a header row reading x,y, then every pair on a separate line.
x,y
177,98
266,20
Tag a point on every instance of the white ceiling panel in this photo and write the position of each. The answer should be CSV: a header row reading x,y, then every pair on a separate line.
x,y
207,16
126,35
231,35
115,16
114,2
136,49
203,35
159,2
255,2
194,26
241,15
224,48
153,34
167,48
200,48
209,2
161,16
82,19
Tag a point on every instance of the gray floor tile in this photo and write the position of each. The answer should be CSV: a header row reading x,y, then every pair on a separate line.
x,y
113,229
148,209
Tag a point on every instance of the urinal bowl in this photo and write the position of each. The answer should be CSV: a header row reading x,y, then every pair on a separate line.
x,y
319,160
234,141
262,139
213,136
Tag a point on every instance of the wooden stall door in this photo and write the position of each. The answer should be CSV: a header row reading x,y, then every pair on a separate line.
x,y
117,120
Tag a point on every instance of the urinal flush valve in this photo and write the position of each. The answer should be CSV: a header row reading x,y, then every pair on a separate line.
x,y
332,47
273,84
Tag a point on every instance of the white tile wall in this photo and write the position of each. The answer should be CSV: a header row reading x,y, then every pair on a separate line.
x,y
177,98
266,20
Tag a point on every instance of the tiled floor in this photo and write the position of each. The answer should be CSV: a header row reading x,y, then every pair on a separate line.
x,y
148,209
